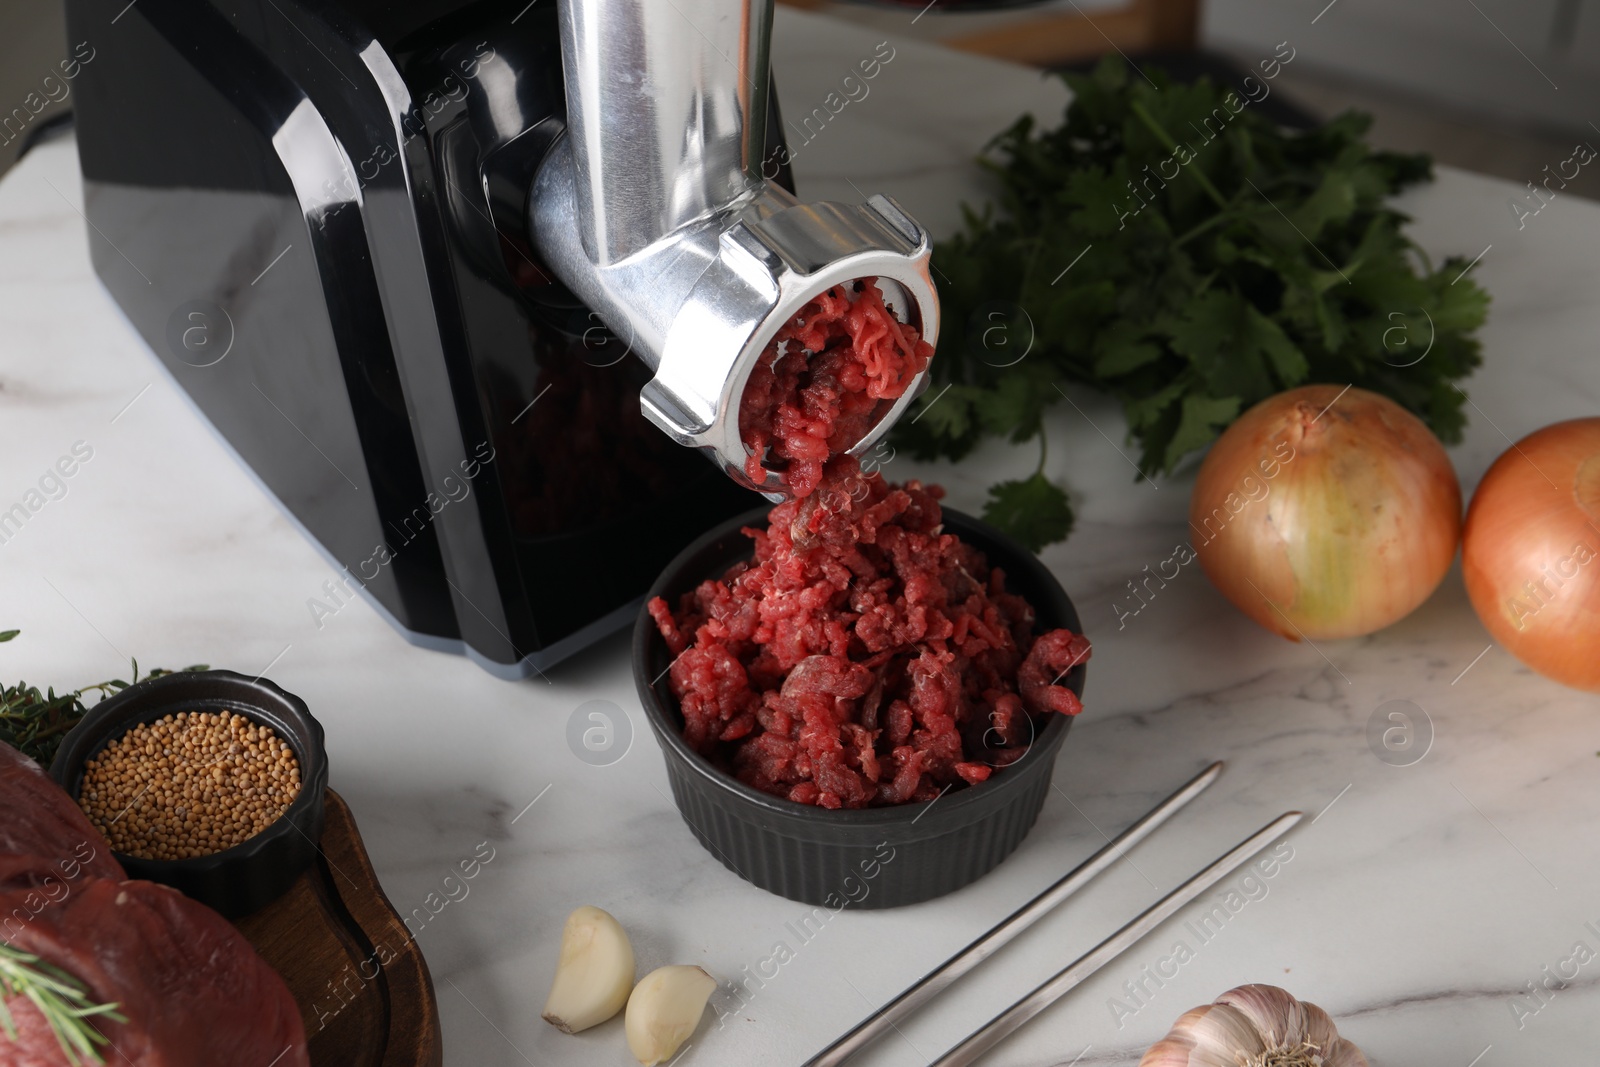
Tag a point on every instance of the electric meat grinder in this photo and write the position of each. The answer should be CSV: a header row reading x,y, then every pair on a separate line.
x,y
454,280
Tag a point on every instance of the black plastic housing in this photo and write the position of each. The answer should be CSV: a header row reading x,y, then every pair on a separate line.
x,y
314,213
250,875
865,859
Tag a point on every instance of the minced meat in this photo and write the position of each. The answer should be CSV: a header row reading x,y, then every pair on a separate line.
x,y
822,382
863,657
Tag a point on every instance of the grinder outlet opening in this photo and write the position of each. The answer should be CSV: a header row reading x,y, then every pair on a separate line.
x,y
830,382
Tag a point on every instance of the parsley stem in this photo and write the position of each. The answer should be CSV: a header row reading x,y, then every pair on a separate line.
x,y
1218,218
1044,450
1171,145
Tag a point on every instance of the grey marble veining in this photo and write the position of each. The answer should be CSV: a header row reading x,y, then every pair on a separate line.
x,y
1421,904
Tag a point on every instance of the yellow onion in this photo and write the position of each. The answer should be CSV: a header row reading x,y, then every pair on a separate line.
x,y
1254,1026
1531,551
1326,512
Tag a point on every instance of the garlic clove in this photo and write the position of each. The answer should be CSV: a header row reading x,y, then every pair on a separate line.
x,y
1220,1034
1343,1054
1336,1051
1171,1052
1320,1030
595,972
1272,1011
1182,1048
664,1011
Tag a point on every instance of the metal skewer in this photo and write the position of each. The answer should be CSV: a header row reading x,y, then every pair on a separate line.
x,y
1002,1025
940,978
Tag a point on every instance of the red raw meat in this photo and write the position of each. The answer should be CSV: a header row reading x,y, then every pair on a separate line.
x,y
824,381
864,657
192,988
1052,656
43,833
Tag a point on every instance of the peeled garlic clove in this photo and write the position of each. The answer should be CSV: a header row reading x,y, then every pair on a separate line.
x,y
594,975
664,1010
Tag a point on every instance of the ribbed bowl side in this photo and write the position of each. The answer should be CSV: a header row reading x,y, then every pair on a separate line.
x,y
886,874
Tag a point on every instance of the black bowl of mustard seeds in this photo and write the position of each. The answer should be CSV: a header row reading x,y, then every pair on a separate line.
x,y
210,782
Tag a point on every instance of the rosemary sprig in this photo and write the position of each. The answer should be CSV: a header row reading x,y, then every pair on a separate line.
x,y
62,999
35,722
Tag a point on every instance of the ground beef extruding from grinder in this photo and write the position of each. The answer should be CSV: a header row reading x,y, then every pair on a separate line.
x,y
824,381
864,657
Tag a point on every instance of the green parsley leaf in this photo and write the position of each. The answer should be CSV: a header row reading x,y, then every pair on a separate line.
x,y
1203,418
1237,350
1035,511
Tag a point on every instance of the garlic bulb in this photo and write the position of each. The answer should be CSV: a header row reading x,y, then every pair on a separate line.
x,y
1254,1026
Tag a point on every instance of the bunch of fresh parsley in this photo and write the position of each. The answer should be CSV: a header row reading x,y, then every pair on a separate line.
x,y
1173,247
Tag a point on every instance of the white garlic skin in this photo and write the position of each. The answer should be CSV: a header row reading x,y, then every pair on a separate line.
x,y
1245,1024
664,1011
595,972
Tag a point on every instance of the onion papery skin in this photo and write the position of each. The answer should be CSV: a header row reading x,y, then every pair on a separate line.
x,y
1531,552
1326,516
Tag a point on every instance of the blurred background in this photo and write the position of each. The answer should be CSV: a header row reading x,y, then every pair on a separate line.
x,y
1501,87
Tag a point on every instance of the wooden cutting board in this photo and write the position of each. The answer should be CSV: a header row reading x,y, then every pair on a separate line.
x,y
353,967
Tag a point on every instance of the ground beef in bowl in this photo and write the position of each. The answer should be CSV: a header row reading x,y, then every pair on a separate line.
x,y
864,657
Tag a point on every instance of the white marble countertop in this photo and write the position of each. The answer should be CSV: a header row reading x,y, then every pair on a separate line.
x,y
1416,908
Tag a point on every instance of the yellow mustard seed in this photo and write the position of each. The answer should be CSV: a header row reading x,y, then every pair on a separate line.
x,y
189,784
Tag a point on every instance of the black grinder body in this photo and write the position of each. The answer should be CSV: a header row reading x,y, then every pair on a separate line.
x,y
315,214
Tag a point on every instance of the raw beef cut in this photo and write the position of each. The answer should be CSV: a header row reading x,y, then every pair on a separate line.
x,y
194,992
191,988
43,832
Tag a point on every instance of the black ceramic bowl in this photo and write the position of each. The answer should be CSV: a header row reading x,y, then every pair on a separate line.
x,y
246,877
871,858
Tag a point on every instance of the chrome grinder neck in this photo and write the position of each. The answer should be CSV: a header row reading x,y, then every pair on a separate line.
x,y
652,209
